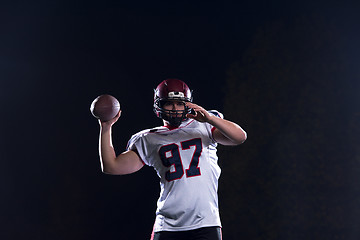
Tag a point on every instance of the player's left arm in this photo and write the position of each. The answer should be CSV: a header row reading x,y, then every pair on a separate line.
x,y
225,133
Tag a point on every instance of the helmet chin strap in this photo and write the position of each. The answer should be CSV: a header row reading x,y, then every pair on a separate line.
x,y
174,121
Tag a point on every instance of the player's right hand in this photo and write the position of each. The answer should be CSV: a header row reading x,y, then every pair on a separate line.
x,y
108,124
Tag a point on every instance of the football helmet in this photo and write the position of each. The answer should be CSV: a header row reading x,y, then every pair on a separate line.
x,y
172,90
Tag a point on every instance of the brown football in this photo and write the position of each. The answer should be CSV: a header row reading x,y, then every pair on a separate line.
x,y
105,107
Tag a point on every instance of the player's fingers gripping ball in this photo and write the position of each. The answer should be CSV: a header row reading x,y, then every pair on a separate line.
x,y
105,107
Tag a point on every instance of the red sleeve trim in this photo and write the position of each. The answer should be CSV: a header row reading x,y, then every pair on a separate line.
x,y
212,133
212,130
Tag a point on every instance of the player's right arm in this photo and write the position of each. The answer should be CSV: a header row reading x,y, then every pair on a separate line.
x,y
125,163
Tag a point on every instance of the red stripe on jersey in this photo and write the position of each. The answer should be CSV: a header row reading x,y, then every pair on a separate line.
x,y
213,129
172,128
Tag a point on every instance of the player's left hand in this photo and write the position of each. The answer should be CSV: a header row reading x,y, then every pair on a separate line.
x,y
200,115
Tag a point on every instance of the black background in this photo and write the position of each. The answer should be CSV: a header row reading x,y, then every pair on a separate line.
x,y
57,56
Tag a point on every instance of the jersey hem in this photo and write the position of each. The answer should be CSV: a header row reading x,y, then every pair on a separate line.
x,y
178,229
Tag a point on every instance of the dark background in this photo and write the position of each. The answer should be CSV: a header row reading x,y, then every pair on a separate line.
x,y
287,72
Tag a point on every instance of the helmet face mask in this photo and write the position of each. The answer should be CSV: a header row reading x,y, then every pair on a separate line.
x,y
172,90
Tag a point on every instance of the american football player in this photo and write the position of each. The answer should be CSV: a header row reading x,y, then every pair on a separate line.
x,y
183,153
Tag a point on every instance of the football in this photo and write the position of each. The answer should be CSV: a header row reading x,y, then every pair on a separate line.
x,y
105,107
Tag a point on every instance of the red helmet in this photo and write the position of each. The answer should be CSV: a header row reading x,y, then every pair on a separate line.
x,y
171,90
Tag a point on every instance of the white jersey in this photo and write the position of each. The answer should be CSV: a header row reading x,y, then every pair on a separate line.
x,y
185,160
